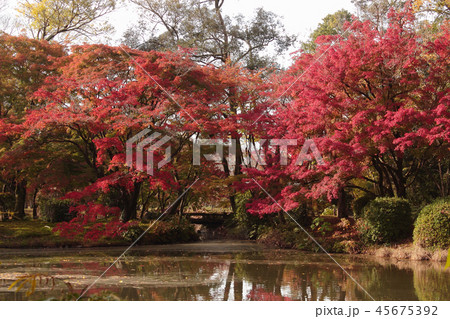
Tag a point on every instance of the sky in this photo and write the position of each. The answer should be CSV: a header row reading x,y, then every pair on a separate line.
x,y
300,17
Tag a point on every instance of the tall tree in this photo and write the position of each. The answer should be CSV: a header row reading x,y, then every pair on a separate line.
x,y
219,40
48,19
202,25
101,99
377,107
24,64
377,10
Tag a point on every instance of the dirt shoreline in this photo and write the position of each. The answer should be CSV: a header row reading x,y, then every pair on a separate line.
x,y
408,252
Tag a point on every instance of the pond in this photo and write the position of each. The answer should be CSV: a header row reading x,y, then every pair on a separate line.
x,y
228,270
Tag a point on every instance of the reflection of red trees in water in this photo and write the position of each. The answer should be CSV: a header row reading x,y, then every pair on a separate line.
x,y
259,294
96,267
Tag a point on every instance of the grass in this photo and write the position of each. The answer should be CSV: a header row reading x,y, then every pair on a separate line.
x,y
39,234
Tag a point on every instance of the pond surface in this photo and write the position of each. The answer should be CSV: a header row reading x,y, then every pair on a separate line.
x,y
221,271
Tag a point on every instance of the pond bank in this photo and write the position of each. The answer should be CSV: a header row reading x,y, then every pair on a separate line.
x,y
25,236
408,251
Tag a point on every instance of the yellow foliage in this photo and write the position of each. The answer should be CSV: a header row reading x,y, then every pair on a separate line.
x,y
49,18
437,6
30,282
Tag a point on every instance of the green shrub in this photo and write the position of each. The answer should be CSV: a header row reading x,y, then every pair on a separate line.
x,y
244,222
320,225
163,232
55,210
284,236
386,220
432,227
133,233
242,218
360,203
330,211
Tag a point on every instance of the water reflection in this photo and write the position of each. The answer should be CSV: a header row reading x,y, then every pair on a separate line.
x,y
240,274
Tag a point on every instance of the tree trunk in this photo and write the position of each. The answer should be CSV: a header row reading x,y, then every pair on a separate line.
x,y
237,171
130,203
174,208
400,185
342,204
232,197
233,204
35,204
145,205
21,195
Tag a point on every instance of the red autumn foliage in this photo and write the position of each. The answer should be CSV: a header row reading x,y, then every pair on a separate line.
x,y
376,104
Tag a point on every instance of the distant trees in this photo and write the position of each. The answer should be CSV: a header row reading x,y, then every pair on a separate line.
x,y
435,11
4,19
377,11
439,7
332,24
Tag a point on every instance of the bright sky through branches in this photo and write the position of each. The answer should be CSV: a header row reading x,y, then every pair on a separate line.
x,y
299,17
